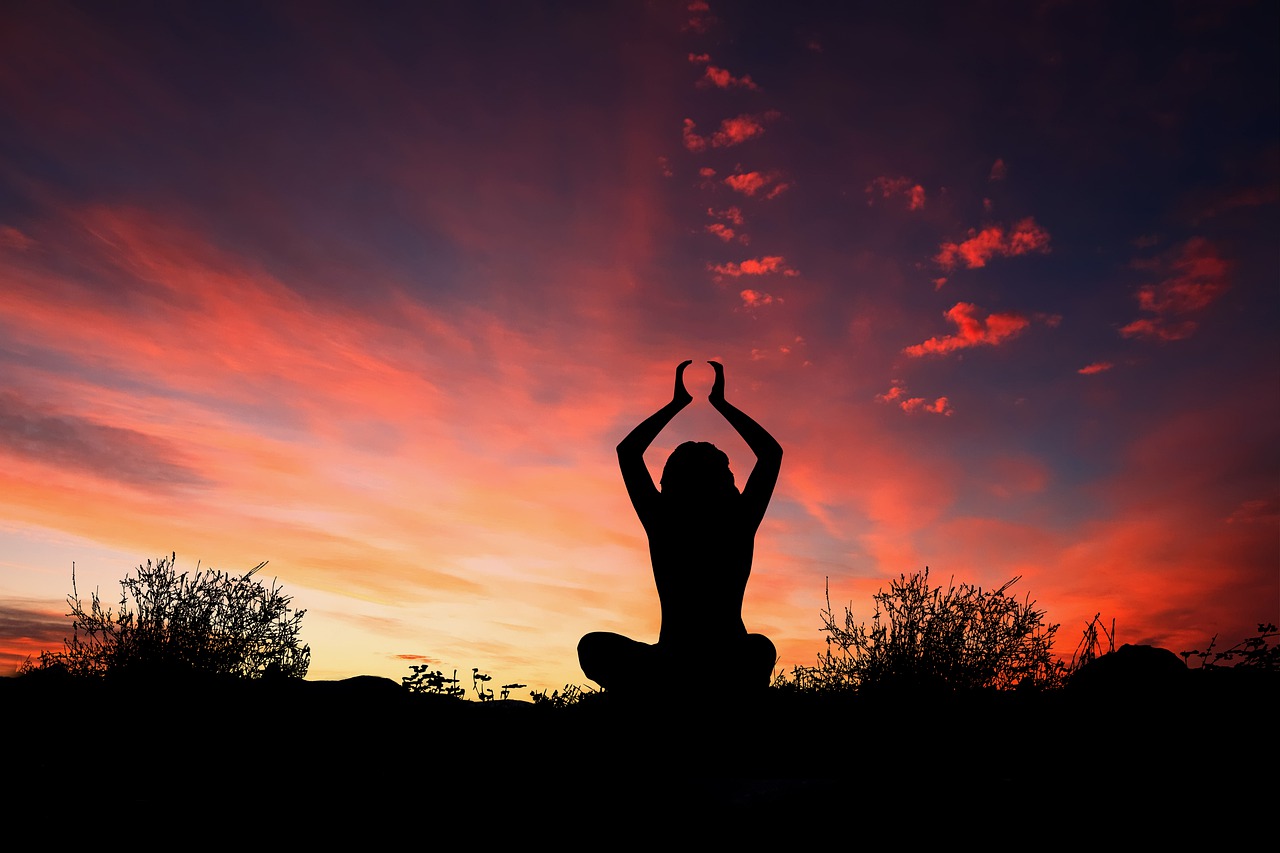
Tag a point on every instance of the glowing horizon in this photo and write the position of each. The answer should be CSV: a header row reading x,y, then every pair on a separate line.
x,y
375,299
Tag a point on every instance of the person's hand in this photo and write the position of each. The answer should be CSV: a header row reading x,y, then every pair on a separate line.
x,y
717,388
681,397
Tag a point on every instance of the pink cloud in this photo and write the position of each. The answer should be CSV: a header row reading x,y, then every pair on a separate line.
x,y
898,394
998,171
1025,237
1096,367
1193,277
887,188
972,331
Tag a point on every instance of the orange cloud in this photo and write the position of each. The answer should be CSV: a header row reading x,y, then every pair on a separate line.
x,y
972,331
888,187
1193,278
1096,367
1025,237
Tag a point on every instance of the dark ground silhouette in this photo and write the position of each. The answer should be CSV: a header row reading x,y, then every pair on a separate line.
x,y
1007,768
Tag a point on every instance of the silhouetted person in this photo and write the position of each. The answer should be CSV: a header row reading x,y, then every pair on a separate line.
x,y
701,542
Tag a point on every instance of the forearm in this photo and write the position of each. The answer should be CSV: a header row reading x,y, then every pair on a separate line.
x,y
639,439
763,445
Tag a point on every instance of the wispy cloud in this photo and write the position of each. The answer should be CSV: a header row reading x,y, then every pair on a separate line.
x,y
700,19
972,331
995,241
1192,278
76,443
886,188
12,238
1095,367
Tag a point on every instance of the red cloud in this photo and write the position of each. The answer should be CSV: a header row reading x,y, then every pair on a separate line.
x,y
700,17
998,170
729,214
733,131
972,331
889,187
692,140
755,266
1025,237
1096,367
724,232
757,299
750,183
1194,278
722,79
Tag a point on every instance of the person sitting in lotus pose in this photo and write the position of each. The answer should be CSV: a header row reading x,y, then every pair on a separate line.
x,y
701,533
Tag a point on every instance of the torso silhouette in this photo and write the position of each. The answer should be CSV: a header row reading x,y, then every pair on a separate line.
x,y
701,558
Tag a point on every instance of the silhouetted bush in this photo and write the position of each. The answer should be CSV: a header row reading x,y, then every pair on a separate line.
x,y
1251,653
922,638
208,623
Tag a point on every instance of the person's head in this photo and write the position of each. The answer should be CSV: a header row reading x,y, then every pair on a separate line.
x,y
698,470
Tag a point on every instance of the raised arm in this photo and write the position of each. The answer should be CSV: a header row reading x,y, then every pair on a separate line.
x,y
635,474
764,476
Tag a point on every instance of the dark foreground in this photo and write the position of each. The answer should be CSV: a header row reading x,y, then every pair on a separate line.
x,y
363,756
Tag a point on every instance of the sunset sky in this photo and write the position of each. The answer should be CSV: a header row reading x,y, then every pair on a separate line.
x,y
372,291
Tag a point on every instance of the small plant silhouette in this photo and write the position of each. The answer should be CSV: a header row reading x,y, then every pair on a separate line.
x,y
1253,652
206,622
921,637
436,683
571,695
